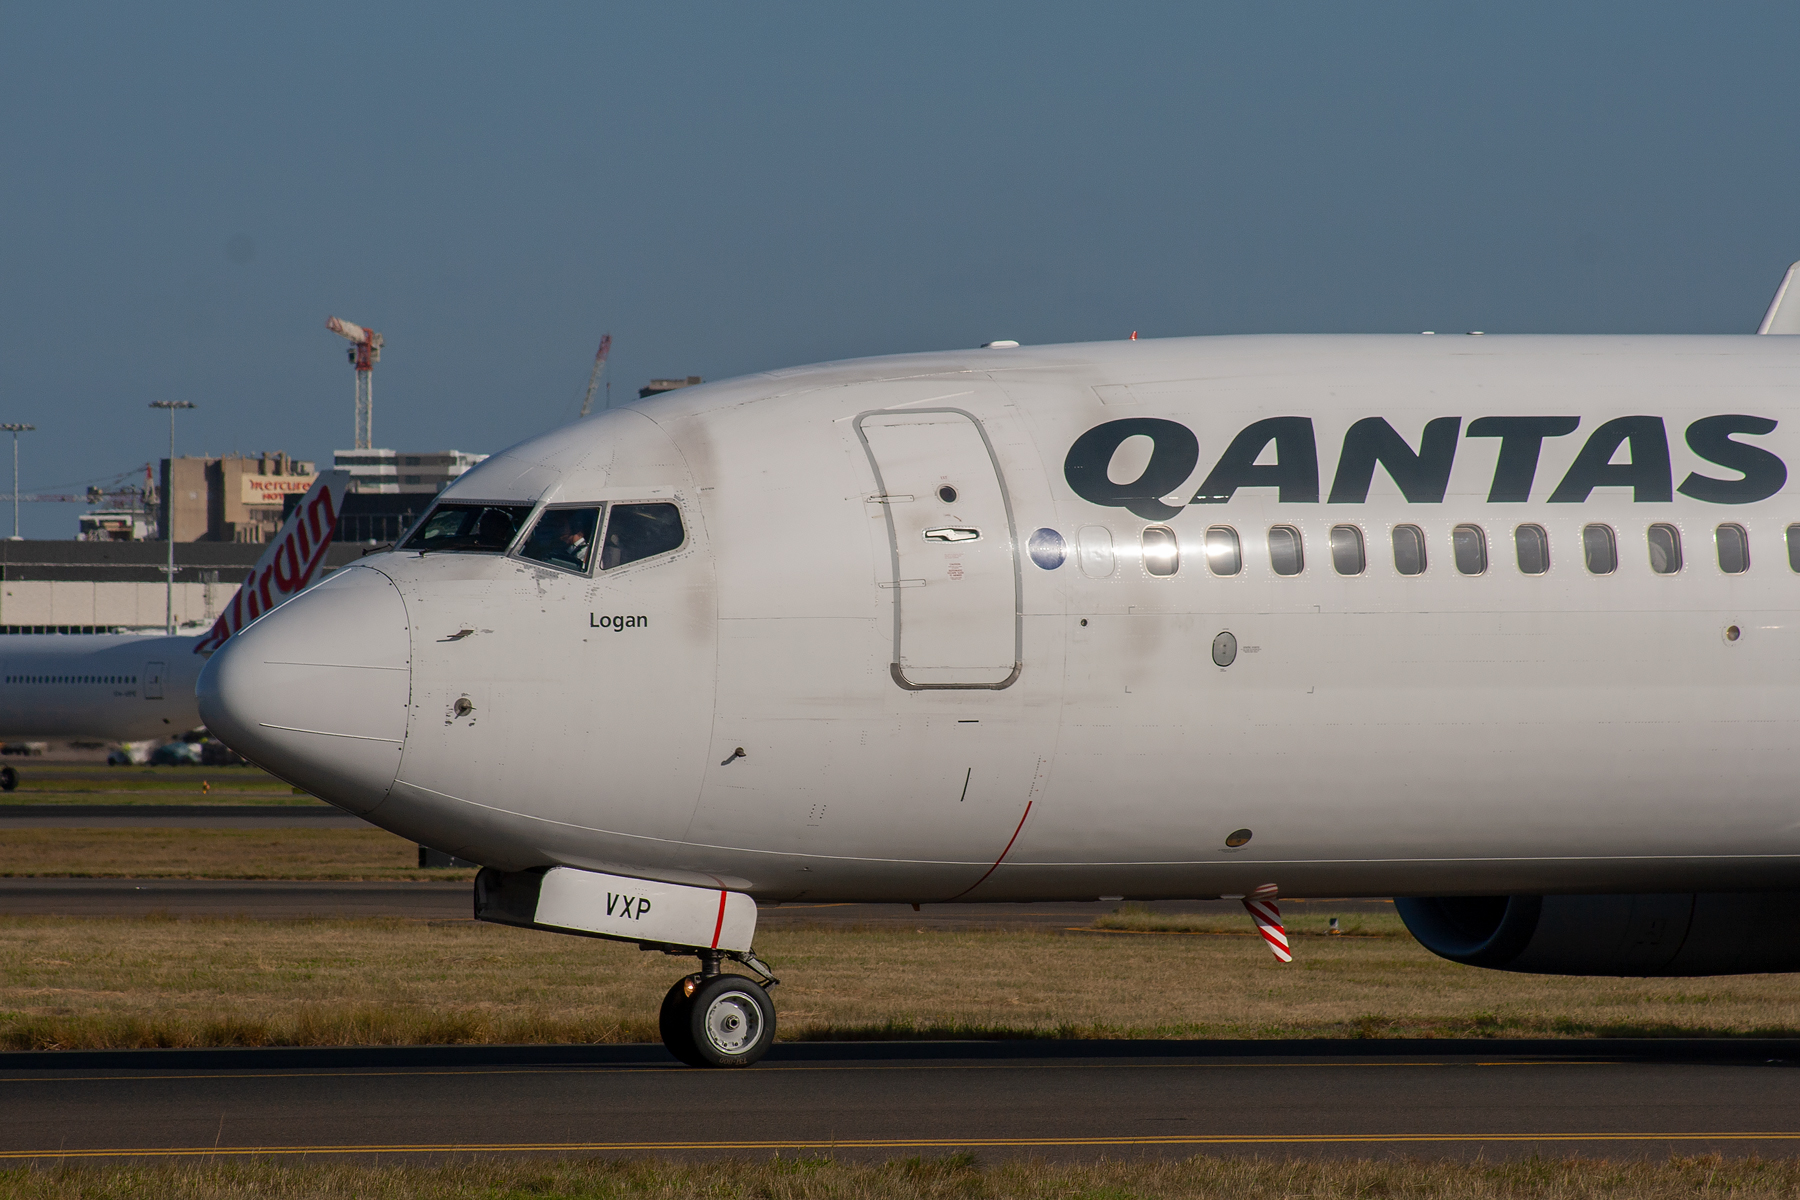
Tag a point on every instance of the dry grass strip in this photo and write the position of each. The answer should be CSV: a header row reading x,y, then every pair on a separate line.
x,y
91,783
1139,918
111,982
283,853
953,1177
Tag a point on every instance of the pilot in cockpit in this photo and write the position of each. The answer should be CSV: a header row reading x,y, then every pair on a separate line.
x,y
563,537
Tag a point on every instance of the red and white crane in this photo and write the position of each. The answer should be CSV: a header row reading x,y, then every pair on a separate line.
x,y
364,354
594,378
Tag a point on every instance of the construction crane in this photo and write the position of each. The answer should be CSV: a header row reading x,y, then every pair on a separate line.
x,y
115,492
125,497
363,356
587,404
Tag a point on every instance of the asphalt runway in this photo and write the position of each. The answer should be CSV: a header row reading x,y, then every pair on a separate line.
x,y
1061,1100
281,899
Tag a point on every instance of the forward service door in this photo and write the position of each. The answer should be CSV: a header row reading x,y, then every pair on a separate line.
x,y
955,571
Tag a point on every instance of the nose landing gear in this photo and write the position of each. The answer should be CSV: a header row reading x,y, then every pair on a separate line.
x,y
711,1019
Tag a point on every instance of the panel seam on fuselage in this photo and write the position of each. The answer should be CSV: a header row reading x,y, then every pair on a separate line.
x,y
327,733
273,662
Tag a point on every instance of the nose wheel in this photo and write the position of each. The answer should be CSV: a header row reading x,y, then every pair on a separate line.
x,y
711,1019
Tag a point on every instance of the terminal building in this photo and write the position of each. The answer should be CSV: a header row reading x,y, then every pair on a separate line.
x,y
390,473
389,489
233,499
110,578
117,586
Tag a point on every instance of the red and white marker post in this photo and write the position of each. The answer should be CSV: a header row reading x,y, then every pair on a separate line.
x,y
1260,904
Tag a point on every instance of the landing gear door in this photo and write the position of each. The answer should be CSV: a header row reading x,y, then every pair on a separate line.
x,y
153,680
954,572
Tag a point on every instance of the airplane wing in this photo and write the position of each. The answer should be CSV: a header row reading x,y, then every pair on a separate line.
x,y
293,560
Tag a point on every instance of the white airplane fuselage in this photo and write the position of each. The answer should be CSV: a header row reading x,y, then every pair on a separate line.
x,y
117,687
865,674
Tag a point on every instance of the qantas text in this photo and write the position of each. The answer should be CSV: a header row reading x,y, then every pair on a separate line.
x,y
1423,475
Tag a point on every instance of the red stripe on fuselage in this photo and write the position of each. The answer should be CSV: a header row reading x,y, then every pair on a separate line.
x,y
1001,859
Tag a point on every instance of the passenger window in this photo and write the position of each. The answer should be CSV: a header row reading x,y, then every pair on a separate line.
x,y
1409,550
1600,549
1285,554
1532,545
1734,549
1161,554
563,537
1094,549
1468,546
635,531
1223,553
1793,541
1665,549
1347,550
469,528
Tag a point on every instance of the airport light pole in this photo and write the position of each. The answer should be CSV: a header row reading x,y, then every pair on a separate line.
x,y
16,430
169,505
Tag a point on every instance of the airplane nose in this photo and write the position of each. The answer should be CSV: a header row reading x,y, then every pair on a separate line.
x,y
317,691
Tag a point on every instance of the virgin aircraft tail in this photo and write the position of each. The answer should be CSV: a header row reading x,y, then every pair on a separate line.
x,y
292,561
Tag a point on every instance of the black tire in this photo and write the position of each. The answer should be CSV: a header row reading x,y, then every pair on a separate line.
x,y
9,779
731,1021
674,1022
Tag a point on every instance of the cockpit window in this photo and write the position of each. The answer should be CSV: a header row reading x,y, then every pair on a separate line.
x,y
469,528
563,537
635,531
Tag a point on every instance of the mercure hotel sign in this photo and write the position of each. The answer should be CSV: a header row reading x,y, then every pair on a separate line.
x,y
272,489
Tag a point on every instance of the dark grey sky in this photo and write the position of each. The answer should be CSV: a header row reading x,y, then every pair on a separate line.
x,y
187,191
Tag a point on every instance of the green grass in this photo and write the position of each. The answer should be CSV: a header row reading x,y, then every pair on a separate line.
x,y
949,1177
93,783
1312,920
181,853
110,982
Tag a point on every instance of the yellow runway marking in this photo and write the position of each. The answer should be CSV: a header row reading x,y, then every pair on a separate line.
x,y
897,1144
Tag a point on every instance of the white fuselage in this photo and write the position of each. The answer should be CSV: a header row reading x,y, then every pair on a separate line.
x,y
113,687
924,715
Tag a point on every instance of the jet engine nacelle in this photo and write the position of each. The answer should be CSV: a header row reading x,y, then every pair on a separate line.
x,y
1681,933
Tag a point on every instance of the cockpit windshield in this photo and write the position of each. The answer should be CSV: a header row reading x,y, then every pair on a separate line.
x,y
469,528
563,537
